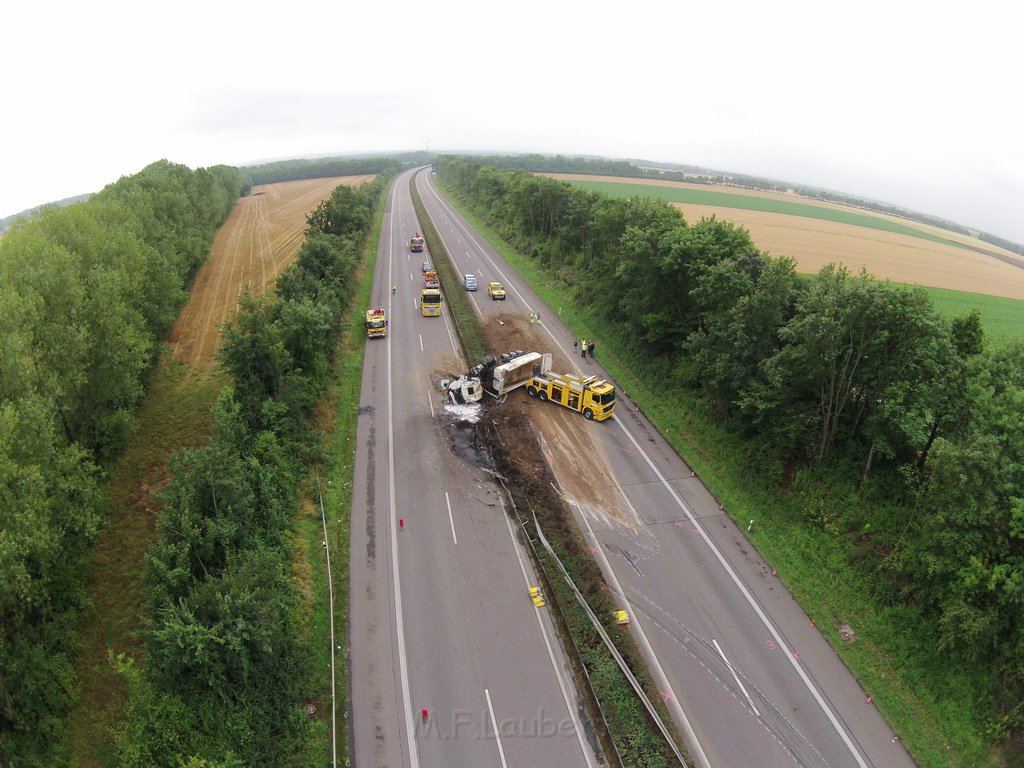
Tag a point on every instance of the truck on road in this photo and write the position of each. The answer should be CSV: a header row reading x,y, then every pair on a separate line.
x,y
376,323
416,243
430,302
593,397
496,291
430,279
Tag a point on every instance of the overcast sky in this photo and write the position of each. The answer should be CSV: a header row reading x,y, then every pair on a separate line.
x,y
914,103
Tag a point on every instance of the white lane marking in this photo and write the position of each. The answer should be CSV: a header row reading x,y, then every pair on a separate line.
x,y
578,726
448,501
494,725
469,236
735,676
430,402
451,336
659,672
508,284
403,666
750,600
421,342
483,253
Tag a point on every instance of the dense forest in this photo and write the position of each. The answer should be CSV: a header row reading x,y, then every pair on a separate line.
x,y
86,294
895,431
227,669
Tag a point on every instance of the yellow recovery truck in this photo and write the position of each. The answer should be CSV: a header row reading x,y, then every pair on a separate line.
x,y
594,398
376,323
430,302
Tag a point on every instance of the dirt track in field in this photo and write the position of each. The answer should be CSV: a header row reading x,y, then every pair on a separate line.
x,y
813,243
259,240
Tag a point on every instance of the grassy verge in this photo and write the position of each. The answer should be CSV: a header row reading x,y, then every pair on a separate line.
x,y
174,415
336,417
922,693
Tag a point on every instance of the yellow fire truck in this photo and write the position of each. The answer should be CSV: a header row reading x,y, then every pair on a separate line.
x,y
430,302
376,323
594,398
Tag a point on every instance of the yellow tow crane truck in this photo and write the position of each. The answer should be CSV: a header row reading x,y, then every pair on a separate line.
x,y
588,395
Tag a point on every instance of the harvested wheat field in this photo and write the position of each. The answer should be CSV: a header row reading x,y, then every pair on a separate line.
x,y
259,240
978,267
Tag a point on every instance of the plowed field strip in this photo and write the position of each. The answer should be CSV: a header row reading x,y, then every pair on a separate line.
x,y
902,259
260,239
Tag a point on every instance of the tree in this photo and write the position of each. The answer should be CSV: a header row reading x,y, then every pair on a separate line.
x,y
254,354
739,337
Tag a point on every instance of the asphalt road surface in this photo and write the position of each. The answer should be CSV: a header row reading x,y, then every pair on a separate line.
x,y
746,677
450,664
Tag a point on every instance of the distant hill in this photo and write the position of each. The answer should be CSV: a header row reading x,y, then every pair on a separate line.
x,y
5,223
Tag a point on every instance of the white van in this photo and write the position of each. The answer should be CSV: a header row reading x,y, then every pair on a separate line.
x,y
470,282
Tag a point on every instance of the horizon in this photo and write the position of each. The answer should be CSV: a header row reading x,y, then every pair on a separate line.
x,y
662,165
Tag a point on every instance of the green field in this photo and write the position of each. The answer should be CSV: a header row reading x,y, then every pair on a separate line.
x,y
1003,319
752,203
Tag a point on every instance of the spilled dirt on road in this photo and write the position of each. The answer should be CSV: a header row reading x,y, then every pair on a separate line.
x,y
537,433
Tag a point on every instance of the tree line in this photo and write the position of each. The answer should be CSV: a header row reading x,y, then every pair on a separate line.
x,y
894,429
86,294
226,673
325,167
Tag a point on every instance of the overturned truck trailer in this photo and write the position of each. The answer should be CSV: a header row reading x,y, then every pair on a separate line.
x,y
516,372
496,376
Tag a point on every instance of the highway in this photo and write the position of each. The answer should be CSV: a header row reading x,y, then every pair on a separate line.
x,y
747,678
450,662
